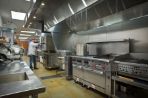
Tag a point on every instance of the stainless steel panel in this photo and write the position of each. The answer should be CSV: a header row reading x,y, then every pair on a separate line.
x,y
108,84
78,72
109,47
76,5
93,73
52,60
94,78
127,19
62,13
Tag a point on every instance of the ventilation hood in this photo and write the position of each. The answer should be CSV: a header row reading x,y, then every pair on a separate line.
x,y
82,15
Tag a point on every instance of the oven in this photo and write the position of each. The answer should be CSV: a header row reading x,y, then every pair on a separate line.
x,y
93,73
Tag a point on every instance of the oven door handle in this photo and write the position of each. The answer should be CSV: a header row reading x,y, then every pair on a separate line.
x,y
98,72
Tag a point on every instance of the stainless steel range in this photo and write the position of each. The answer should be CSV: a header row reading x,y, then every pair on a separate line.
x,y
94,72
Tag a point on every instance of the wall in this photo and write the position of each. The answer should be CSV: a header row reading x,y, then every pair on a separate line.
x,y
23,44
139,36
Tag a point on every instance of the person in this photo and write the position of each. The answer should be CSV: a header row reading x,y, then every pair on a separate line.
x,y
32,53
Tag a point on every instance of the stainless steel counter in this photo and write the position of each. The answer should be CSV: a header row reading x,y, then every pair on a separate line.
x,y
17,80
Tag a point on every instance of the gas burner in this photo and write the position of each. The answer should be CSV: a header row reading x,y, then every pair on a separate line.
x,y
131,59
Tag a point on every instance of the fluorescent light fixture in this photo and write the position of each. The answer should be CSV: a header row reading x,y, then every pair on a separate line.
x,y
34,17
84,3
28,32
42,34
70,8
25,35
28,0
18,15
34,1
42,3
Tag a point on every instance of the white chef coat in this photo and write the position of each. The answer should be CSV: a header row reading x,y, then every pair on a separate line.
x,y
32,48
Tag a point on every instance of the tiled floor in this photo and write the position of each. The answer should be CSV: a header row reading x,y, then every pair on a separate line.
x,y
58,87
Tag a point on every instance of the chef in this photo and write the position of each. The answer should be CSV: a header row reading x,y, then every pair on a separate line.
x,y
32,53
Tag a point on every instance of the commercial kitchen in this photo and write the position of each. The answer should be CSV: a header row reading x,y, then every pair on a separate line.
x,y
73,49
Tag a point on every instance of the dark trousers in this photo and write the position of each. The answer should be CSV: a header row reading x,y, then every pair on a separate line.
x,y
33,61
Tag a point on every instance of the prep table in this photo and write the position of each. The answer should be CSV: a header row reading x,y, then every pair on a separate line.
x,y
17,80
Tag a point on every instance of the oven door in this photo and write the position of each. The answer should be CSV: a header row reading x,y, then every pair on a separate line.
x,y
95,77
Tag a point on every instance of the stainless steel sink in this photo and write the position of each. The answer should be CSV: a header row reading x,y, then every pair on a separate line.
x,y
7,78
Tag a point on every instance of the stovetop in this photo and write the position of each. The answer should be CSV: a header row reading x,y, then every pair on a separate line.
x,y
131,59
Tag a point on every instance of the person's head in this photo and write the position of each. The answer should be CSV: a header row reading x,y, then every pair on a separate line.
x,y
33,39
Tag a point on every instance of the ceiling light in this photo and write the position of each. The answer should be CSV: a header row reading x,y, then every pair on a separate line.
x,y
28,0
28,31
34,1
23,26
84,3
18,15
34,17
25,35
42,4
70,8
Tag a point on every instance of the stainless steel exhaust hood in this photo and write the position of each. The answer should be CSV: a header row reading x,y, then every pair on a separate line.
x,y
108,20
128,19
81,15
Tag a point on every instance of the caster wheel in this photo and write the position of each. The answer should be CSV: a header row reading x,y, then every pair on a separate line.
x,y
87,87
83,85
75,81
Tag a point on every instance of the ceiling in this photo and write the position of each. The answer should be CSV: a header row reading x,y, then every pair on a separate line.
x,y
6,6
43,12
